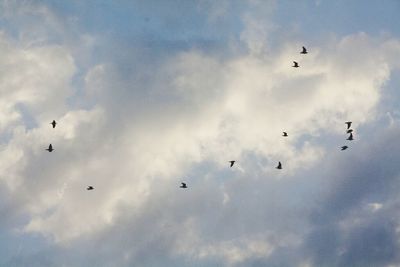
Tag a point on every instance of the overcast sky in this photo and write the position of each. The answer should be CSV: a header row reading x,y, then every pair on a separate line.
x,y
149,94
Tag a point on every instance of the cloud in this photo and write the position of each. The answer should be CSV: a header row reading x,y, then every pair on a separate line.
x,y
346,233
194,111
142,131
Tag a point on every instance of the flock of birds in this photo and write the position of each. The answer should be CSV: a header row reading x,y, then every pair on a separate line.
x,y
350,132
51,149
285,134
232,162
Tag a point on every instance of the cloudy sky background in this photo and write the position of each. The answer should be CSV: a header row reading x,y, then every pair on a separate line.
x,y
151,93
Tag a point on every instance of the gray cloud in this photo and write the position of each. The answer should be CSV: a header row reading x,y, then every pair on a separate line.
x,y
347,232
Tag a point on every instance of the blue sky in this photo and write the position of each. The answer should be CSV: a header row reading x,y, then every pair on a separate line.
x,y
148,94
128,18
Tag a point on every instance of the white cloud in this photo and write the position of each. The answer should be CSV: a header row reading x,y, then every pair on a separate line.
x,y
375,206
219,110
145,133
237,253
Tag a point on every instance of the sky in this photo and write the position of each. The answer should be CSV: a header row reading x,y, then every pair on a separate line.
x,y
149,94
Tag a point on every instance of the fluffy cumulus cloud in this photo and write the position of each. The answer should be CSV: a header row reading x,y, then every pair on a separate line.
x,y
136,133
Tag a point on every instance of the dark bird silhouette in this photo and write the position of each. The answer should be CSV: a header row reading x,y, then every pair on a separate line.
x,y
344,147
89,187
279,167
232,162
285,134
348,124
50,148
350,137
183,185
53,123
304,51
296,65
349,131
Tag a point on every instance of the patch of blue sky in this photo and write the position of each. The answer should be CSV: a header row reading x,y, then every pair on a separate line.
x,y
166,20
319,17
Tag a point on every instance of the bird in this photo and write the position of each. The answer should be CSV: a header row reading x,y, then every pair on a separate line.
x,y
304,51
349,131
285,134
279,167
50,148
232,162
89,187
350,137
344,147
53,123
183,185
296,65
348,124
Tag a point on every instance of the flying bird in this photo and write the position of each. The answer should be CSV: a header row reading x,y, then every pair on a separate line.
x,y
344,147
232,162
304,51
350,137
279,167
50,148
349,131
89,187
348,124
53,123
296,65
183,185
285,134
